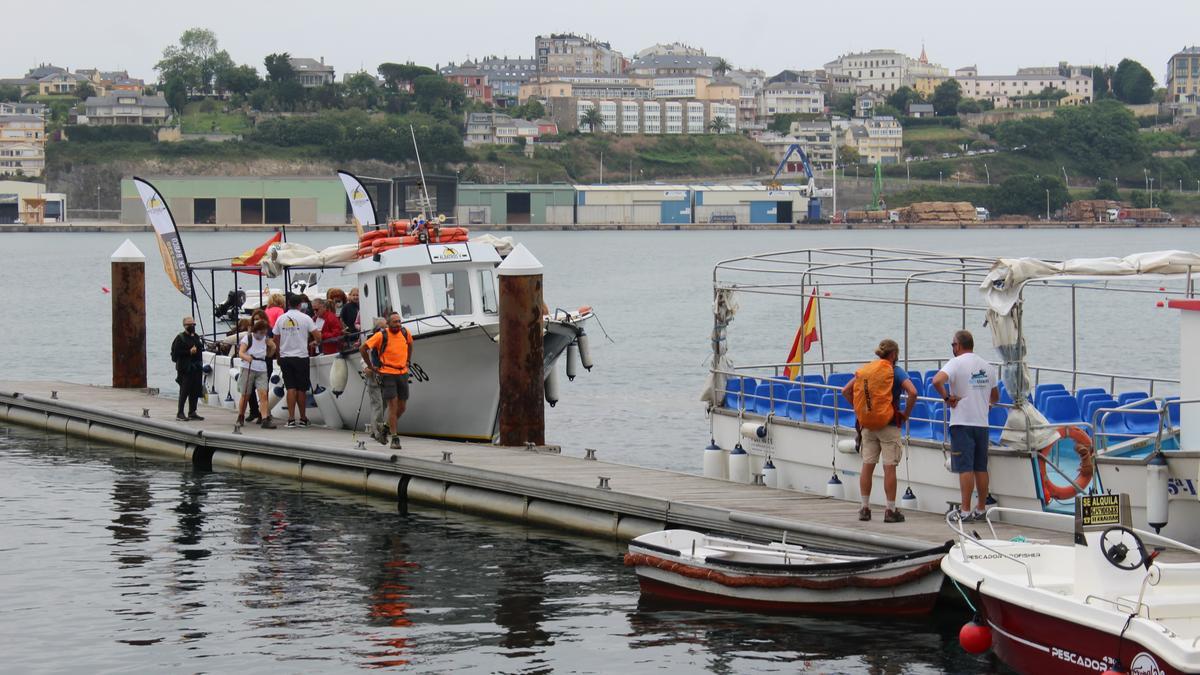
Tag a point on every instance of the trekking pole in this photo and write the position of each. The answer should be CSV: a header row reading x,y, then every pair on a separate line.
x,y
357,415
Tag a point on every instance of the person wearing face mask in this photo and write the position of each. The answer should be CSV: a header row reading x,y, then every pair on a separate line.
x,y
330,326
349,312
253,351
389,353
187,352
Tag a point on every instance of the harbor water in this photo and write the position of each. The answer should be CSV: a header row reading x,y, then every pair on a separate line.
x,y
118,563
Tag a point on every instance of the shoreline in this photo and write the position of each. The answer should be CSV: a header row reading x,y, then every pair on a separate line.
x,y
108,226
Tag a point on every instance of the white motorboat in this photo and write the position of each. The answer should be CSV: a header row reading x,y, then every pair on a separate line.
x,y
1060,430
1107,603
698,569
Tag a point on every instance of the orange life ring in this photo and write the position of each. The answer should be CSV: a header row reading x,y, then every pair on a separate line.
x,y
398,228
1087,465
371,235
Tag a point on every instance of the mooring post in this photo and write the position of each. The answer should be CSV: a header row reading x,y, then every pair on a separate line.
x,y
128,317
522,392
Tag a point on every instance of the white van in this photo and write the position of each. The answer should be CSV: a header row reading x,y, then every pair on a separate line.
x,y
982,213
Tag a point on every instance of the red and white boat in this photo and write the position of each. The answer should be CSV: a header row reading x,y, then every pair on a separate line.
x,y
1108,603
691,567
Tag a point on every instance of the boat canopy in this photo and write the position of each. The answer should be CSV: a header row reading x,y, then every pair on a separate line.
x,y
288,254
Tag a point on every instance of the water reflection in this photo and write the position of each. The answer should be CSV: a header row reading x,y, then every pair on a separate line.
x,y
389,604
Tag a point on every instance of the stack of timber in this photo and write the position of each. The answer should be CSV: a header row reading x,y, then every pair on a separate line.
x,y
938,212
1091,210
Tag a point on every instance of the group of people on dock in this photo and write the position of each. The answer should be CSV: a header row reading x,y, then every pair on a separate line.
x,y
968,386
290,337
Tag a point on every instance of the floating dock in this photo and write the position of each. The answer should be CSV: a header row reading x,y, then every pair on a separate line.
x,y
537,485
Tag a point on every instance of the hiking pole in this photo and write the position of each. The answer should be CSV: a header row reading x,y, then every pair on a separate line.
x,y
357,415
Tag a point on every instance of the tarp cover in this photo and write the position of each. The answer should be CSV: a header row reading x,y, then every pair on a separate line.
x,y
725,306
503,245
287,254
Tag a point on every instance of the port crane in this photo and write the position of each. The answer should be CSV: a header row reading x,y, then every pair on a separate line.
x,y
814,202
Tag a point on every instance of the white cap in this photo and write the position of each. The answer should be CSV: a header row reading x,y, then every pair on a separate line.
x,y
519,263
128,252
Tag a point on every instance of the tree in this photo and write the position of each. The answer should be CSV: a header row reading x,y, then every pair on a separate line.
x,y
946,97
1106,190
1132,83
195,60
279,67
848,154
968,106
1102,82
397,76
1027,195
175,91
718,125
900,98
10,92
362,91
435,91
239,80
722,67
84,90
593,119
530,110
843,104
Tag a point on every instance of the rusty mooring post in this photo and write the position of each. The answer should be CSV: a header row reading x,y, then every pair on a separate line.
x,y
128,317
522,415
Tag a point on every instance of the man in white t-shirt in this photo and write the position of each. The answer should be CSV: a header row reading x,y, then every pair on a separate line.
x,y
972,391
295,330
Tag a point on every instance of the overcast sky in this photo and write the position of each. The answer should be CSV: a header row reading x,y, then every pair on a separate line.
x,y
126,34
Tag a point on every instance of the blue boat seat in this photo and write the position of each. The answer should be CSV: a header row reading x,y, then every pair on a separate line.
x,y
1128,396
937,411
997,417
1039,392
813,379
920,425
770,396
834,407
739,391
1088,398
1044,402
1005,397
839,380
795,404
1173,409
1142,423
1061,410
1081,394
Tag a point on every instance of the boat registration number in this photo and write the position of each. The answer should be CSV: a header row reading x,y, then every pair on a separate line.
x,y
1181,486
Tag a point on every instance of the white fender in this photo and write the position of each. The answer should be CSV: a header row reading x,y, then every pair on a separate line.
x,y
1157,496
739,465
770,474
715,463
339,372
585,351
328,407
551,386
572,361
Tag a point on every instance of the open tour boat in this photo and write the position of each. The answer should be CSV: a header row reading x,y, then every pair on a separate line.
x,y
1107,603
1060,430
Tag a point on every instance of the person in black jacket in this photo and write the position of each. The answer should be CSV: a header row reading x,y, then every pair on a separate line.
x,y
186,352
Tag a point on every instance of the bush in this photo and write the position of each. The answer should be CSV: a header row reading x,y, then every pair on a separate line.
x,y
80,133
951,121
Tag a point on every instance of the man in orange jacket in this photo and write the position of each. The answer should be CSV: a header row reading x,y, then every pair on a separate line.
x,y
389,353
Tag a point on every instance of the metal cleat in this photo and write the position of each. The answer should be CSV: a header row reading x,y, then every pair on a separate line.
x,y
446,454
589,453
603,483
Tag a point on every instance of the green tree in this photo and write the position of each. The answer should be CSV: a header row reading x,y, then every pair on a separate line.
x,y
1132,83
362,91
397,76
530,110
279,67
1102,83
843,104
1106,190
848,154
593,119
194,61
175,91
969,105
1140,199
719,125
329,96
946,97
722,67
435,91
1029,195
900,98
239,80
84,90
10,92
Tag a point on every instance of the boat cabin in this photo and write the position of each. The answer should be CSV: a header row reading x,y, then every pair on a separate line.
x,y
434,287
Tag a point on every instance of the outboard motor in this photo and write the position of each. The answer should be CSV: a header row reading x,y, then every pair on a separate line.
x,y
232,307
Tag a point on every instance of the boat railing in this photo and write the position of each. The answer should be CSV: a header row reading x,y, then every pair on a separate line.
x,y
1161,409
956,525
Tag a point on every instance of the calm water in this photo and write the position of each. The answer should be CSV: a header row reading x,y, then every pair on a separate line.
x,y
127,564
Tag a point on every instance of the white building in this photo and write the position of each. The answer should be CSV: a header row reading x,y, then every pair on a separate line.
x,y
673,111
1001,89
673,49
790,97
883,69
568,54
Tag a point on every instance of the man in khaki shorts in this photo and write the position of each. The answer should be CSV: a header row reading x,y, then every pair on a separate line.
x,y
881,378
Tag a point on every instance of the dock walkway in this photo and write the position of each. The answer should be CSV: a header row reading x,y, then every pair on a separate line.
x,y
538,486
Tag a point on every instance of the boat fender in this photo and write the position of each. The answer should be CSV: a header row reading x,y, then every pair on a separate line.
x,y
551,385
572,361
834,488
339,372
975,636
328,407
277,395
770,475
207,368
1157,496
846,446
752,430
585,351
909,501
715,464
739,465
1087,465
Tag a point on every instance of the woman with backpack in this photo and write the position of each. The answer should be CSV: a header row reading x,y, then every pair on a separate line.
x,y
875,395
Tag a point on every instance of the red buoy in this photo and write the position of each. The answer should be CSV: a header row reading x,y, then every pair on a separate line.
x,y
1115,669
1159,303
975,636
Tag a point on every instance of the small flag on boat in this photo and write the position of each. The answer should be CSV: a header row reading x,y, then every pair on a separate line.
x,y
252,257
806,335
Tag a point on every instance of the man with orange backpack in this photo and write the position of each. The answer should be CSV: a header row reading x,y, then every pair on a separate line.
x,y
875,395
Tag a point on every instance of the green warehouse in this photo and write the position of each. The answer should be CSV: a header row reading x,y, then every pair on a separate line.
x,y
243,200
510,204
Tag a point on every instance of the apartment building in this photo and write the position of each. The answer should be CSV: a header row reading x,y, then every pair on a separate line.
x,y
878,140
570,54
312,72
1001,89
22,144
884,69
1183,76
790,97
666,116
126,108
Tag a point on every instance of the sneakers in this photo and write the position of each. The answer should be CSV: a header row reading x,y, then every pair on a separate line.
x,y
304,422
395,443
864,513
194,417
964,516
254,417
893,516
181,417
267,423
979,515
291,424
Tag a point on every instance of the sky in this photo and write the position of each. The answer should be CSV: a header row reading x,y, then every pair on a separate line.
x,y
997,37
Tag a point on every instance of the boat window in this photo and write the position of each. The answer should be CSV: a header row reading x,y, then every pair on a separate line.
x,y
383,300
487,292
451,292
411,302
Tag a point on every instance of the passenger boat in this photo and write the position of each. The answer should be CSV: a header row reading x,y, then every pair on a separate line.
x,y
698,569
1060,429
442,282
1107,603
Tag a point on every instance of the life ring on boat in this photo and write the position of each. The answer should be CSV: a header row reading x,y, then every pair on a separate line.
x,y
1087,465
371,235
398,228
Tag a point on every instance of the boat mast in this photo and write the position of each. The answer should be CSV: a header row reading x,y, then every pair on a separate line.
x,y
421,171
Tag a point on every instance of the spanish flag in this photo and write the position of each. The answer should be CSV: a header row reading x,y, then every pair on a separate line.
x,y
805,336
251,257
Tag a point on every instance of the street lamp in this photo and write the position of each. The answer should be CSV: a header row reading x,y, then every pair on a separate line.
x,y
1065,179
939,177
503,174
987,173
908,172
1151,191
1047,205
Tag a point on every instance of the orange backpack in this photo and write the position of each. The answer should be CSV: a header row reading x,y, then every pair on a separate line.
x,y
873,394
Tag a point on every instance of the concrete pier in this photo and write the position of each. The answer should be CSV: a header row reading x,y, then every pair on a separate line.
x,y
542,488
